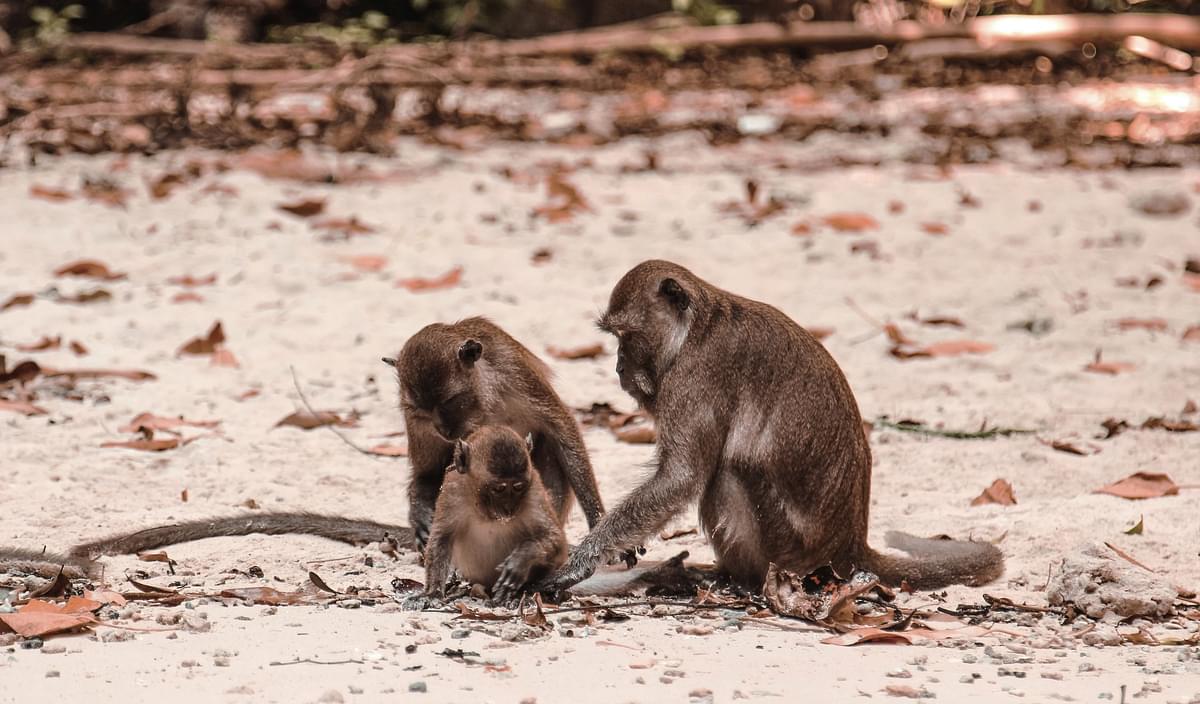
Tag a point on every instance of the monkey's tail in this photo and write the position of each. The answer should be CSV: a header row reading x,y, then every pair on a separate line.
x,y
345,530
45,564
933,563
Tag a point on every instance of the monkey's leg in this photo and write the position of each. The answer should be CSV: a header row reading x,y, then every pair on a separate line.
x,y
422,498
645,510
437,560
727,516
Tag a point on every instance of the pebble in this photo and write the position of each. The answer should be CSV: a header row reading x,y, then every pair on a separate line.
x,y
1052,675
331,697
221,662
969,658
350,603
31,644
1086,667
189,663
700,696
54,649
1007,672
52,674
418,686
967,679
899,672
460,633
694,630
355,690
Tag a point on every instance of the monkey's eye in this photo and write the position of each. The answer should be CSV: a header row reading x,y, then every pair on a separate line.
x,y
518,486
457,401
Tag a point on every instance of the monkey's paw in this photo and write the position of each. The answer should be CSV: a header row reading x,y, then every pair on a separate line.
x,y
421,535
514,573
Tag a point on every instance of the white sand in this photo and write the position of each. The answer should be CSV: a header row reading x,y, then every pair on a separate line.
x,y
285,299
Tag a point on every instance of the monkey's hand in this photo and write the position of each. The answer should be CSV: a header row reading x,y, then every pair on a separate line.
x,y
514,573
581,565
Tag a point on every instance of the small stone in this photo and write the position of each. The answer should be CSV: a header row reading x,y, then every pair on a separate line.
x,y
900,673
350,603
189,663
418,686
51,674
54,649
969,658
966,679
666,680
1052,675
694,630
331,697
700,696
221,662
674,673
460,633
355,690
31,644
1086,667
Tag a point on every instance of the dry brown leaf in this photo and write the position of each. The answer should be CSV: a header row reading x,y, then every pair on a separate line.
x,y
273,597
935,228
582,352
249,394
897,337
22,407
158,556
187,297
367,263
1189,407
304,208
1151,324
387,450
1192,281
292,165
162,186
151,422
1174,426
912,635
78,348
342,228
564,200
308,421
88,269
1070,447
851,222
204,345
951,348
1111,368
541,255
146,445
802,229
937,320
104,596
1192,334
417,284
23,299
1141,485
191,281
41,618
131,374
94,296
54,195
105,191
1000,492
46,343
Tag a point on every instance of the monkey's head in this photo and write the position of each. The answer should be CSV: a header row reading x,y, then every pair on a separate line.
x,y
497,460
439,376
650,312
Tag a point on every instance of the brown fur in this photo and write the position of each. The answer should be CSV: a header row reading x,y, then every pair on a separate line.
x,y
756,421
346,530
494,522
44,564
457,378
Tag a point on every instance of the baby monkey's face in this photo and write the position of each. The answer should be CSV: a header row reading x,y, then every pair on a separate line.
x,y
497,459
453,411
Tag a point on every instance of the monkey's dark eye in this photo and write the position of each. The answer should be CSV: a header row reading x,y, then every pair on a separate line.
x,y
457,402
518,486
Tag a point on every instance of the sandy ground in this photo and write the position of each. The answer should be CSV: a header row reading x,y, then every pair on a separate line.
x,y
287,298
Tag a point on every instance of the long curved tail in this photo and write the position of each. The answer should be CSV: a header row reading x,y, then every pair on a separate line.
x,y
345,530
933,563
44,564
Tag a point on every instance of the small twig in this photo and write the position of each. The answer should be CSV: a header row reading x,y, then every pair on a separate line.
x,y
879,327
1127,557
955,434
335,431
275,663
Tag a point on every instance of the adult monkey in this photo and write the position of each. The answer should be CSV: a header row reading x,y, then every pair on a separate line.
x,y
756,419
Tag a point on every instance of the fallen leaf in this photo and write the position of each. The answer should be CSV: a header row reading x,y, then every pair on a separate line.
x,y
386,450
912,635
187,297
802,229
897,337
937,320
367,263
541,255
342,228
1111,368
22,407
102,190
1139,528
582,352
204,345
41,618
1000,492
146,445
24,372
54,195
94,296
1192,281
1070,448
24,299
895,207
821,596
564,200
131,374
1141,485
191,281
1151,324
162,186
151,422
851,222
417,285
935,228
293,165
308,421
88,269
159,556
643,434
104,596
249,394
1174,426
305,207
1112,427
78,348
1189,407
952,348
1192,334
46,343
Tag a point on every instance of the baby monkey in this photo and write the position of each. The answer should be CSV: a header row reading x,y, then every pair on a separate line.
x,y
494,522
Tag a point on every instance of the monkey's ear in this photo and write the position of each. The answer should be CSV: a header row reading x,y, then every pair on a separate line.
x,y
529,441
462,456
674,293
390,361
470,351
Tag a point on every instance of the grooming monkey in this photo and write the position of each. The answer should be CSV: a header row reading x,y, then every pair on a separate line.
x,y
459,377
494,522
757,421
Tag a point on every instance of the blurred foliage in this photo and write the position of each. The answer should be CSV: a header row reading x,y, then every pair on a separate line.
x,y
51,25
